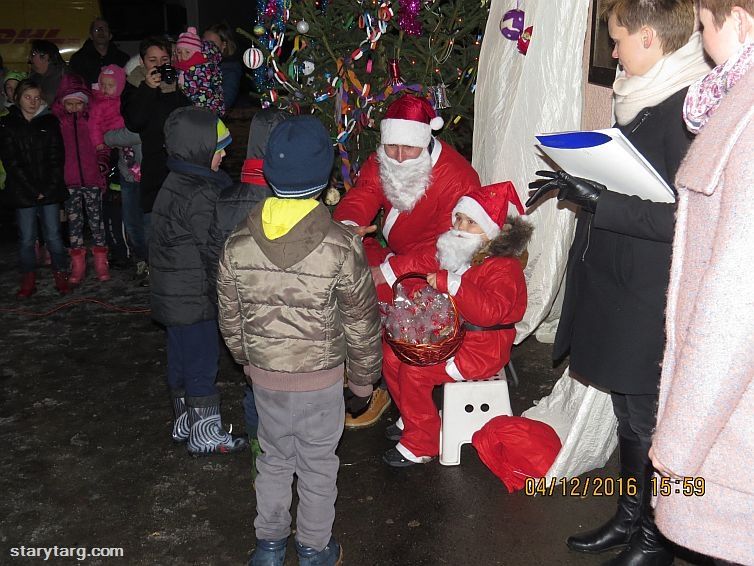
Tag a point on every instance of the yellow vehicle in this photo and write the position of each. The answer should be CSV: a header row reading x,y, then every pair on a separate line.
x,y
64,22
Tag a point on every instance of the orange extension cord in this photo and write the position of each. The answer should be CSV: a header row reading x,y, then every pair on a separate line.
x,y
65,305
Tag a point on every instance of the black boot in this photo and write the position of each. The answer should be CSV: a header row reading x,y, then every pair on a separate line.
x,y
617,532
648,546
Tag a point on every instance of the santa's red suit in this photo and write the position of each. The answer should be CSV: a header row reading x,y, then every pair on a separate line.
x,y
490,294
415,231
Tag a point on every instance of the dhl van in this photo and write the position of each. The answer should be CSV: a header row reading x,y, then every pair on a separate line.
x,y
64,22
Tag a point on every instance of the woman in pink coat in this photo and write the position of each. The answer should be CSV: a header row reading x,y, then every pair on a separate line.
x,y
705,422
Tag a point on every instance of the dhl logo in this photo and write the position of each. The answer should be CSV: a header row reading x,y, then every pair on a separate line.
x,y
9,36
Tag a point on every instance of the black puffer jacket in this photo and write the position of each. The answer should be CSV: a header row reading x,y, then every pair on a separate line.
x,y
235,202
145,111
178,247
32,154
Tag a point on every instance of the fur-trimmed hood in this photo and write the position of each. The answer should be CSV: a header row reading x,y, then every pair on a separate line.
x,y
511,242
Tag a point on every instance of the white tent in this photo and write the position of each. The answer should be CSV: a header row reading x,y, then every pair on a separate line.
x,y
517,97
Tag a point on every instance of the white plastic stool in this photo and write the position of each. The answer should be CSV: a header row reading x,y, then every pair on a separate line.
x,y
467,407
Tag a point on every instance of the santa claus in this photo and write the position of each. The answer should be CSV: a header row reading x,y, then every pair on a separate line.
x,y
477,262
415,179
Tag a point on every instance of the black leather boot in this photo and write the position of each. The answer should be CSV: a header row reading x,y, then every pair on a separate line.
x,y
648,546
617,532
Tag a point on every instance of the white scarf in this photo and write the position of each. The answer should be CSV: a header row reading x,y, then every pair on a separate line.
x,y
673,72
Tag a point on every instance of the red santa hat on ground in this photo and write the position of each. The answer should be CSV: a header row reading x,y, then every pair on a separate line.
x,y
409,120
490,206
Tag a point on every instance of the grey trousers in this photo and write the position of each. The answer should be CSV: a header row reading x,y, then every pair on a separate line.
x,y
298,432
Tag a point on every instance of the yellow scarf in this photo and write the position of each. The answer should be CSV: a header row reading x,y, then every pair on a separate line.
x,y
280,215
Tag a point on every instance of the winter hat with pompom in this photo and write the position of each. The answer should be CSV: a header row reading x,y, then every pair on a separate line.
x,y
490,206
190,40
409,120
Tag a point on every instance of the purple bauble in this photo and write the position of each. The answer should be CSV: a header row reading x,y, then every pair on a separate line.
x,y
512,32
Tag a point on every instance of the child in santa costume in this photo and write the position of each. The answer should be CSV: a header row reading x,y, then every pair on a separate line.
x,y
477,262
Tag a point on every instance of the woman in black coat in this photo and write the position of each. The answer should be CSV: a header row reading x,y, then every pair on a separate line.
x,y
31,149
612,322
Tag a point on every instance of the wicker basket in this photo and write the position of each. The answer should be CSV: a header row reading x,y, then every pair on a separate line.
x,y
427,354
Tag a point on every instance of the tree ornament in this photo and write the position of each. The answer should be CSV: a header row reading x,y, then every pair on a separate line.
x,y
253,58
439,94
302,27
524,40
307,68
408,17
516,27
385,12
271,10
259,30
332,196
394,73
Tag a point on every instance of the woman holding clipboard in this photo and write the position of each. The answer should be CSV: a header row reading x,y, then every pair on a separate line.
x,y
612,321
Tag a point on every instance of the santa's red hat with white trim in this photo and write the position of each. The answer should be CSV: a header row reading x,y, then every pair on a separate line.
x,y
409,120
490,206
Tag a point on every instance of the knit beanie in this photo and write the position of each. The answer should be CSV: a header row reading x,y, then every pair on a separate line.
x,y
223,136
299,158
190,40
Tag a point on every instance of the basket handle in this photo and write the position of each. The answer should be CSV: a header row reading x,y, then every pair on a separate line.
x,y
409,275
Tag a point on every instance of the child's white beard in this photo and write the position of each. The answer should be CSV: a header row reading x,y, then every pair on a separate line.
x,y
404,183
455,249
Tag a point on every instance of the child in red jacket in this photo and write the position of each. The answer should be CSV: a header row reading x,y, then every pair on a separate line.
x,y
82,177
477,262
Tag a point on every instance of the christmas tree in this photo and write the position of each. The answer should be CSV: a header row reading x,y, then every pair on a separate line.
x,y
346,60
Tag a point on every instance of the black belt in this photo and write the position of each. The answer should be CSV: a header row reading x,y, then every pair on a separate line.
x,y
475,328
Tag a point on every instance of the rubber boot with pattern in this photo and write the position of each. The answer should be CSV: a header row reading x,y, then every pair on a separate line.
x,y
207,435
181,426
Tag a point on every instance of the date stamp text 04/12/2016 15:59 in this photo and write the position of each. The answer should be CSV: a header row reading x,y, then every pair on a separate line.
x,y
609,487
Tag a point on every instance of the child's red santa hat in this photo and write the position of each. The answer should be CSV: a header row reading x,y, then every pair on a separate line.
x,y
490,206
409,120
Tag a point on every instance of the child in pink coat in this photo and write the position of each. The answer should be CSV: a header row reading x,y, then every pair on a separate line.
x,y
82,177
105,114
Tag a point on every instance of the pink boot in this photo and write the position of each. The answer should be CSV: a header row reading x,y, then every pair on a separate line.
x,y
28,285
101,266
78,266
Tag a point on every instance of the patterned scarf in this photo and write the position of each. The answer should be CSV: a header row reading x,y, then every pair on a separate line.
x,y
704,95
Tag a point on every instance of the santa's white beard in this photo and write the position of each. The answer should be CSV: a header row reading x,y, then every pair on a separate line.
x,y
456,248
404,183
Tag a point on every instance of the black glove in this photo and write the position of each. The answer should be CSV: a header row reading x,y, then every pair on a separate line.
x,y
582,192
356,405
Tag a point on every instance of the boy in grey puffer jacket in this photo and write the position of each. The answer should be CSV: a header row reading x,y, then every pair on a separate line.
x,y
296,299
